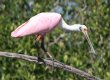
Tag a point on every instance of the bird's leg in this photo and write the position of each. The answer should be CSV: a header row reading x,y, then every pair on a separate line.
x,y
47,53
45,50
37,46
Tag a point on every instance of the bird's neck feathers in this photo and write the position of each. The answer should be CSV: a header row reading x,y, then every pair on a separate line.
x,y
67,27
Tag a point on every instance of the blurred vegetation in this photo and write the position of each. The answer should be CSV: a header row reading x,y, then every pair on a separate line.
x,y
73,49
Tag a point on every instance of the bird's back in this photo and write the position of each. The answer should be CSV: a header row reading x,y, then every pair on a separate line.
x,y
40,23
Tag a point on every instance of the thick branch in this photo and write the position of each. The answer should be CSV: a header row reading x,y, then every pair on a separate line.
x,y
57,64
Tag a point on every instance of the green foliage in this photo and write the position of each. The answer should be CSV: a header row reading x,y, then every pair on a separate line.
x,y
72,49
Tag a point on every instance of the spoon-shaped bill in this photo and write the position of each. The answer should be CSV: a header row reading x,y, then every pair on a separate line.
x,y
89,41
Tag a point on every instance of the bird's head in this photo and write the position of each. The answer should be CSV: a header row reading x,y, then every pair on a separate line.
x,y
78,27
83,28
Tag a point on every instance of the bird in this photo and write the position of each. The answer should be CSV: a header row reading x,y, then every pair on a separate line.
x,y
45,22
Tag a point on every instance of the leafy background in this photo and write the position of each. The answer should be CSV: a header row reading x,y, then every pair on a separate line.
x,y
73,49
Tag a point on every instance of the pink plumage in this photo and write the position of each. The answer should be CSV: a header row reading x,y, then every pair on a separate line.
x,y
42,23
38,24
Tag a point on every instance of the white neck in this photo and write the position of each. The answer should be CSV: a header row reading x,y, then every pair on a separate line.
x,y
67,27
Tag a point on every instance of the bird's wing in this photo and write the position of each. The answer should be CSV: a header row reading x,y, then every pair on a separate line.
x,y
37,24
32,26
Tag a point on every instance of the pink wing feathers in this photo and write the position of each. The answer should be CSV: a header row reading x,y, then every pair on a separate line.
x,y
40,23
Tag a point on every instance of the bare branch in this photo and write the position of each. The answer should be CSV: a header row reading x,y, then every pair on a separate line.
x,y
57,39
57,64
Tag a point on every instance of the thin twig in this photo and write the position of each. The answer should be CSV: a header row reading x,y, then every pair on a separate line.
x,y
57,64
57,39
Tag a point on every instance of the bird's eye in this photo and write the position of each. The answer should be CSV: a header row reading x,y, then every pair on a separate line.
x,y
85,29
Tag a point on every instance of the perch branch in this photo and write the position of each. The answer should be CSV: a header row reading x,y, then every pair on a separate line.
x,y
57,64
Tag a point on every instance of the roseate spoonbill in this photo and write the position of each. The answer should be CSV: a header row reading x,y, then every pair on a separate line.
x,y
44,22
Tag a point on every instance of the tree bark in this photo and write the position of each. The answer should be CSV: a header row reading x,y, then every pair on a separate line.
x,y
57,64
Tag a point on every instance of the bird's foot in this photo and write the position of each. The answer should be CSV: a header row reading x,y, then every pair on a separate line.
x,y
40,60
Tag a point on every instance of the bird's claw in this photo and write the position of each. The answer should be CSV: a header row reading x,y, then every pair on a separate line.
x,y
40,60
